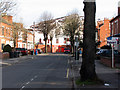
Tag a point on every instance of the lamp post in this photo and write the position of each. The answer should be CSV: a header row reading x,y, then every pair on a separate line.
x,y
33,37
76,44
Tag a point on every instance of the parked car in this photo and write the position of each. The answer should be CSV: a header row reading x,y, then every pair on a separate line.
x,y
22,51
98,54
108,53
39,51
66,50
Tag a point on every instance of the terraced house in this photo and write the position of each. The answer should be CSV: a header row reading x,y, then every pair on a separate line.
x,y
5,30
115,28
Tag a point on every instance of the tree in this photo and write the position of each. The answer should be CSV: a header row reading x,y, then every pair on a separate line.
x,y
46,25
88,64
24,34
51,38
7,5
18,32
71,27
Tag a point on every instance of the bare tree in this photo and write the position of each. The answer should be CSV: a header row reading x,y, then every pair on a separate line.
x,y
15,36
71,27
18,32
45,25
88,64
51,38
7,5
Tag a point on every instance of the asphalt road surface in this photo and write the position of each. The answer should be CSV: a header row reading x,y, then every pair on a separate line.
x,y
44,71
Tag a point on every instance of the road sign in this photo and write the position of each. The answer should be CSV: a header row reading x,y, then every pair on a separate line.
x,y
113,40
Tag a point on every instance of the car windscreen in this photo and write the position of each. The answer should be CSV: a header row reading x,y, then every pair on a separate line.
x,y
22,49
18,49
66,49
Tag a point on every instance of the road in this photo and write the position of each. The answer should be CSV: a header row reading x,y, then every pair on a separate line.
x,y
43,71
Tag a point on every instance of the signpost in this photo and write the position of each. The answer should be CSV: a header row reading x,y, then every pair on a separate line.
x,y
112,41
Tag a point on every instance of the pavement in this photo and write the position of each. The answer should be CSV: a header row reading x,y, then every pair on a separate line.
x,y
11,61
110,76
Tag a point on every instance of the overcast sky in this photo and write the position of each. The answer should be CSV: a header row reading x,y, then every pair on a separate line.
x,y
30,10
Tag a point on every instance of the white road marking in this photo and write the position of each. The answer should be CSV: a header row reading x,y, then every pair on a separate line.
x,y
27,82
22,87
35,76
32,79
67,73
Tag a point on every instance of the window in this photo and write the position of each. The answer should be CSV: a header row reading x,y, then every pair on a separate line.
x,y
3,46
57,41
48,40
112,28
40,40
6,31
2,30
23,45
64,40
67,39
116,27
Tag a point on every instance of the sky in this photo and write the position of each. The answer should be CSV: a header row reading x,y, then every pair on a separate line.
x,y
29,11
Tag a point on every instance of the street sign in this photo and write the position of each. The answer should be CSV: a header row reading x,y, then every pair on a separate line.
x,y
113,40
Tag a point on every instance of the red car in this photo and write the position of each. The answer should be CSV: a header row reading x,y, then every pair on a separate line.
x,y
66,50
22,51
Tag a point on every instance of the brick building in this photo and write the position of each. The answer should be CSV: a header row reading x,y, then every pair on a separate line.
x,y
115,23
103,29
115,27
5,30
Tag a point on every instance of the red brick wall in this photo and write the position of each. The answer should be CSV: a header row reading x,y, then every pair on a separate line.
x,y
106,61
104,31
119,25
4,55
118,10
114,26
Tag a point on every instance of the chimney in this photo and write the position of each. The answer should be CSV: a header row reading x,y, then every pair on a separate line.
x,y
119,8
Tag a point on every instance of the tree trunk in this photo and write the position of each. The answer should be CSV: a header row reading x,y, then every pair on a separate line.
x,y
45,46
51,46
88,65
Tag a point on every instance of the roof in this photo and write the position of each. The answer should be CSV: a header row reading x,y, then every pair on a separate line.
x,y
115,18
4,21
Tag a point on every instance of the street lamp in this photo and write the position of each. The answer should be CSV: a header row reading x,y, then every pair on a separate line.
x,y
33,37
